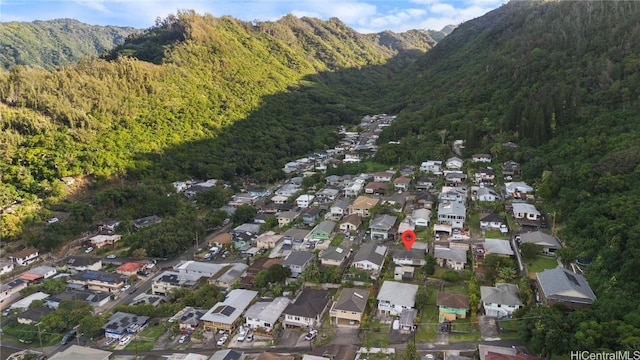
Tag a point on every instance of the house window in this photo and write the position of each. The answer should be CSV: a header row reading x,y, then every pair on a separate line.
x,y
297,318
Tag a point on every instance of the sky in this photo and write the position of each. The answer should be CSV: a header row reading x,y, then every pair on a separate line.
x,y
365,16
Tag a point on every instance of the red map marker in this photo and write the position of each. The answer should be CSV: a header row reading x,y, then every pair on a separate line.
x,y
408,238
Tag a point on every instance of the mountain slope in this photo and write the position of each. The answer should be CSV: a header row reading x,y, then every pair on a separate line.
x,y
52,43
561,79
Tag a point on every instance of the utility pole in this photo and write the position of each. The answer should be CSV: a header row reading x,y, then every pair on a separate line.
x,y
40,338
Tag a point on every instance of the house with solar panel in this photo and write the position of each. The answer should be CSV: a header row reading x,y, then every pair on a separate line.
x,y
97,281
561,286
227,315
121,324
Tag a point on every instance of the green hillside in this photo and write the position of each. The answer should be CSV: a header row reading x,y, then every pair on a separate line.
x,y
53,43
562,80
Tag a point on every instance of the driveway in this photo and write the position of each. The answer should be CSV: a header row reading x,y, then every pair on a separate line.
x,y
488,327
346,336
291,338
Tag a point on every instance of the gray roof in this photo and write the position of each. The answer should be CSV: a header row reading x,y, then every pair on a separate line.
x,y
296,233
451,207
268,311
121,321
227,311
326,226
298,258
491,217
455,254
404,254
383,222
335,253
498,246
421,214
398,293
310,303
561,284
540,238
504,294
408,317
228,354
352,300
371,252
234,272
41,270
342,204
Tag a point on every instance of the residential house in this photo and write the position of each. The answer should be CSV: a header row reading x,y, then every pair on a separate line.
x,y
94,298
452,194
362,205
246,228
121,324
168,281
424,200
454,163
421,217
381,227
561,286
334,256
297,261
10,292
304,200
227,354
500,300
407,170
370,256
484,176
486,194
229,275
407,319
130,268
108,225
6,267
268,240
308,309
146,222
406,224
333,180
265,314
455,179
275,208
243,199
375,188
262,218
295,235
394,202
394,297
524,211
286,217
323,230
310,215
78,263
81,352
38,273
491,221
452,306
432,166
401,183
354,188
517,189
350,223
33,315
260,264
226,315
425,183
327,195
279,199
259,192
450,257
349,309
452,213
188,319
384,176
222,240
245,239
498,247
25,257
510,169
101,241
482,158
412,257
403,273
98,281
339,209
548,243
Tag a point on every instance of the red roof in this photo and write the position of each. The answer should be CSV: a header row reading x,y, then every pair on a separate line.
x,y
498,356
31,277
130,267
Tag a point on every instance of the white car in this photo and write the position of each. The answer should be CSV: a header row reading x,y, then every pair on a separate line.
x,y
125,340
112,256
183,338
311,335
222,340
89,249
125,288
53,220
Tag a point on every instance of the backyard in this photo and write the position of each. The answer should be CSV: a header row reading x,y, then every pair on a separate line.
x,y
147,338
541,263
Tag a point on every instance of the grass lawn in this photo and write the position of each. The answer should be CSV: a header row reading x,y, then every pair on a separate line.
x,y
473,336
541,263
147,338
460,289
427,329
380,336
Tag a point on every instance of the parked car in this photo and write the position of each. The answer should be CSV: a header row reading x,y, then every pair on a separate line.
x,y
53,220
242,334
112,256
183,338
89,249
222,340
6,312
125,340
125,288
311,335
109,341
68,338
250,336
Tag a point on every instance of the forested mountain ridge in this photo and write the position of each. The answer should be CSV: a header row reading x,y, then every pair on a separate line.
x,y
52,43
562,80
194,96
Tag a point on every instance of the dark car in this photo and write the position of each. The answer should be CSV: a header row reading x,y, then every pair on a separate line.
x,y
133,290
68,338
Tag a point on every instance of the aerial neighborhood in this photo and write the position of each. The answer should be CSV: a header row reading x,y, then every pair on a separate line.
x,y
320,268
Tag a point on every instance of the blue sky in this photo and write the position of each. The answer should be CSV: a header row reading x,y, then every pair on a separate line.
x,y
365,16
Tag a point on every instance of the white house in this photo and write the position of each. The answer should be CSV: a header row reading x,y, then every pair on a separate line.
x,y
25,257
454,163
370,256
500,301
265,314
452,213
383,176
452,258
525,211
487,195
485,158
514,189
303,201
394,297
5,267
432,166
421,217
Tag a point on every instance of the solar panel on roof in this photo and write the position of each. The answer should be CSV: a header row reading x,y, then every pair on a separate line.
x,y
572,279
228,310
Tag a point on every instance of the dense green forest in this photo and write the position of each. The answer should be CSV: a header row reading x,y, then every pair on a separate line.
x,y
53,43
198,96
